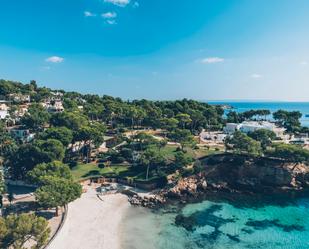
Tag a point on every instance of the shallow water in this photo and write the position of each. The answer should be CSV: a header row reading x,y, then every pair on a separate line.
x,y
221,225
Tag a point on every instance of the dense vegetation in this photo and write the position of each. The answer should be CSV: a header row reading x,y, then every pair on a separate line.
x,y
147,141
71,136
17,230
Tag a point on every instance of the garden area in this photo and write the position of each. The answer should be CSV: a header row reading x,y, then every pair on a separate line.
x,y
127,170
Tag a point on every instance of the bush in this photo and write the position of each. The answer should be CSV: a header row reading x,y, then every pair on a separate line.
x,y
178,149
101,165
127,153
187,172
103,160
118,159
198,167
73,164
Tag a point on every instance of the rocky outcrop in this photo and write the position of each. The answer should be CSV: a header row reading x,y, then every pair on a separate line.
x,y
152,201
256,174
189,186
233,173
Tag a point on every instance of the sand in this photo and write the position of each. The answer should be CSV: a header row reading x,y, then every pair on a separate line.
x,y
93,223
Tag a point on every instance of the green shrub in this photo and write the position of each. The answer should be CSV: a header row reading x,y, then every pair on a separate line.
x,y
101,165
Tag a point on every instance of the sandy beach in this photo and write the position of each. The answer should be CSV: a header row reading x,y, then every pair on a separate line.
x,y
93,223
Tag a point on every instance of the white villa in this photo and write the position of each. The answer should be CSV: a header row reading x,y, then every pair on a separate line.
x,y
53,106
251,126
4,111
20,98
212,137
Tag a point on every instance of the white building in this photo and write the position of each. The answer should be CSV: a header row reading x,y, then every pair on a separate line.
x,y
53,106
57,94
4,111
210,137
20,98
21,110
251,126
300,141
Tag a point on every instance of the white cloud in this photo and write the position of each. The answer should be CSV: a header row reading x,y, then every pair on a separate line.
x,y
111,21
211,60
256,76
109,15
54,59
304,63
121,3
89,14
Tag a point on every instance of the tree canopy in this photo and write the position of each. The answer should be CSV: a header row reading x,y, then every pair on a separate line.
x,y
27,156
17,230
288,120
57,192
36,117
289,152
53,169
152,159
241,143
63,134
264,136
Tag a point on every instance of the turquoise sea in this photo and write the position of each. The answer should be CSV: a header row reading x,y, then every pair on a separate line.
x,y
224,222
215,224
303,107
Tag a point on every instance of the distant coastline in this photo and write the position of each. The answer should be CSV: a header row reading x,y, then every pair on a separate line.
x,y
241,106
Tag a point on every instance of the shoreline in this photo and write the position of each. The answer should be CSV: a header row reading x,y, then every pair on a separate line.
x,y
93,222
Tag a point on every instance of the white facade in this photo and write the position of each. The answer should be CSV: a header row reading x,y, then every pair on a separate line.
x,y
20,97
4,111
251,126
53,106
3,114
230,128
212,137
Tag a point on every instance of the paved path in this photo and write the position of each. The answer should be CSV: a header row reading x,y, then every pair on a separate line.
x,y
92,223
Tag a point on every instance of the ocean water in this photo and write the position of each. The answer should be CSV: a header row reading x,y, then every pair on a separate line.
x,y
303,107
221,225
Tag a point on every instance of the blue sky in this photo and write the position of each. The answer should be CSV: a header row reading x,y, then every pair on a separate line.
x,y
160,49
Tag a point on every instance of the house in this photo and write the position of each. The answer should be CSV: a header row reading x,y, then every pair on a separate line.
x,y
212,136
251,126
53,106
21,110
21,134
19,98
4,111
300,139
58,95
230,128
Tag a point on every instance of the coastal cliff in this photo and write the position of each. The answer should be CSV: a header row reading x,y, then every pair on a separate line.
x,y
242,174
232,173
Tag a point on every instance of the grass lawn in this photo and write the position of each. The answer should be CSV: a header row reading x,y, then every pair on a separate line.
x,y
82,171
169,152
